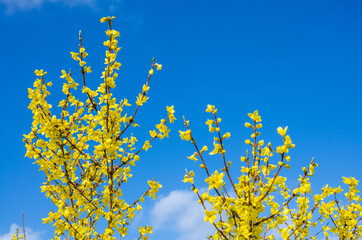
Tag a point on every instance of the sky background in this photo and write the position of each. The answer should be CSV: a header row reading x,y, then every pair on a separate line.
x,y
298,62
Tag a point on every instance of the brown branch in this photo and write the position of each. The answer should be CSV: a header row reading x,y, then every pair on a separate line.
x,y
22,222
223,156
135,112
91,99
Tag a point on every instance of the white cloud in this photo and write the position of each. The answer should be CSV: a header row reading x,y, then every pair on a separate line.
x,y
25,5
30,233
180,212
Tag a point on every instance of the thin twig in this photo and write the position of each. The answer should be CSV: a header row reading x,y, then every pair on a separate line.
x,y
22,221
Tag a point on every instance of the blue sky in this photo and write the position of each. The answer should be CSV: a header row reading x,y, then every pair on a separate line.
x,y
298,62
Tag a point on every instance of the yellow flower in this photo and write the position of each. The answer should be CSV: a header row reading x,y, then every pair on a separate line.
x,y
282,131
189,177
159,66
248,125
105,19
217,149
288,142
215,180
210,123
282,149
141,100
75,56
153,133
125,102
146,146
204,148
265,151
192,157
226,135
145,88
154,188
210,108
65,75
171,112
351,181
40,72
117,65
185,135
87,69
255,116
210,216
82,63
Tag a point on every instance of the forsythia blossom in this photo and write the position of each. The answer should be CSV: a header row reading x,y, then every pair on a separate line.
x,y
87,152
248,207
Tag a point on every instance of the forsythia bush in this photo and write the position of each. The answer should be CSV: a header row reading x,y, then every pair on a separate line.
x,y
87,152
258,204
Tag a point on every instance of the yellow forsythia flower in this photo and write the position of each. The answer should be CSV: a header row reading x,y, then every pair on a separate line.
x,y
215,180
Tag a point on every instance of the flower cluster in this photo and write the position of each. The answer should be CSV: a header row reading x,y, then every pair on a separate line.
x,y
258,204
87,152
